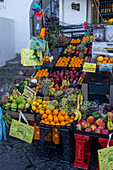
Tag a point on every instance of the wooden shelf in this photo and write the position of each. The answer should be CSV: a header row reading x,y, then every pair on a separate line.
x,y
105,2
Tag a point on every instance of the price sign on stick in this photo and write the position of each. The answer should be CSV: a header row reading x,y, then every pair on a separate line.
x,y
28,92
89,67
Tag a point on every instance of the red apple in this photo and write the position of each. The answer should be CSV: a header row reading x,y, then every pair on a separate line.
x,y
52,79
84,124
97,130
88,129
73,69
79,123
101,127
71,80
67,74
99,122
51,75
93,127
58,79
79,127
90,119
105,131
77,74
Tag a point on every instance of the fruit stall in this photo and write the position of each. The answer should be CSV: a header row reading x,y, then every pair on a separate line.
x,y
70,103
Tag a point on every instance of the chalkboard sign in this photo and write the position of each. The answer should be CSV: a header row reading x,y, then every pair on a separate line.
x,y
75,6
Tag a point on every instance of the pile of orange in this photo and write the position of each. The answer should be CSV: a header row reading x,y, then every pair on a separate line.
x,y
62,62
73,40
75,62
41,73
105,60
85,38
55,117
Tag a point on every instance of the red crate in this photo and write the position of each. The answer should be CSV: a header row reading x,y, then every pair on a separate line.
x,y
82,152
104,142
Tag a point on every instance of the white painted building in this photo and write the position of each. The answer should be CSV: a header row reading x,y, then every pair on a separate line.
x,y
15,23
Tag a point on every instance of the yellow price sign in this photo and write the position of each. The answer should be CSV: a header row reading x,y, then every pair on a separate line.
x,y
89,67
28,92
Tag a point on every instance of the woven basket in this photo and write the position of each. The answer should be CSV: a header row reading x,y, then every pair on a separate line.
x,y
62,40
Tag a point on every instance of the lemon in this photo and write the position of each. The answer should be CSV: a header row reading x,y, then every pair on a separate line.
x,y
34,108
39,100
34,103
37,110
40,106
37,104
44,105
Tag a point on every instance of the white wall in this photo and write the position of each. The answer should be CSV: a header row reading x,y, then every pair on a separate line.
x,y
19,11
70,16
7,40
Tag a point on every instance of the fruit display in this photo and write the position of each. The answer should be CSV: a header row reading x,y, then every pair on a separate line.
x,y
41,73
69,50
56,118
87,60
90,50
102,59
75,62
62,62
75,41
85,38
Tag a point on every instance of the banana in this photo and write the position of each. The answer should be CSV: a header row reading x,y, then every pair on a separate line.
x,y
79,114
109,124
81,99
76,116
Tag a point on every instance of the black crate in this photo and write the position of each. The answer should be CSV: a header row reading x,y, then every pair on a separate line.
x,y
67,144
98,87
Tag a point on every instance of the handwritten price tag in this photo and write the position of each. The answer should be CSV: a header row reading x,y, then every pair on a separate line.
x,y
28,92
89,67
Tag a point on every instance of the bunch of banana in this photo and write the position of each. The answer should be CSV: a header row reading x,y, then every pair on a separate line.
x,y
78,115
79,101
80,81
109,124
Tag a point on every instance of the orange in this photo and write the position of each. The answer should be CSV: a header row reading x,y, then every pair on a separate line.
x,y
44,116
66,117
106,58
66,122
56,119
72,117
58,123
61,118
34,108
47,122
41,112
63,123
55,112
50,118
52,123
48,111
98,64
63,112
71,120
111,60
104,61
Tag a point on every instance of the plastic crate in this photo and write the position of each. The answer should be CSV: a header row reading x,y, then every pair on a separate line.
x,y
46,146
67,145
82,152
98,88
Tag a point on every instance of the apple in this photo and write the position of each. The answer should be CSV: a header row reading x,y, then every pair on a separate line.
x,y
71,80
99,122
66,73
105,131
77,74
88,129
79,127
52,79
51,75
58,79
93,127
79,123
97,130
72,76
90,119
84,124
101,127
54,75
73,69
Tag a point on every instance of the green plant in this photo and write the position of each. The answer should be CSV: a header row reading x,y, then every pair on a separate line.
x,y
6,118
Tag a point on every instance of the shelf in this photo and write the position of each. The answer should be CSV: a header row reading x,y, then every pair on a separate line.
x,y
106,14
103,53
104,2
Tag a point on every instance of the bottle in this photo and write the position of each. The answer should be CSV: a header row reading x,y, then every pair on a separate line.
x,y
109,7
103,9
112,7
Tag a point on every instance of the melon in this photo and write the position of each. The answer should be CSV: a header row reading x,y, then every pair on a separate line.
x,y
100,59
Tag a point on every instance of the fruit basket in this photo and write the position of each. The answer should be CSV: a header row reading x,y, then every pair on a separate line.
x,y
62,40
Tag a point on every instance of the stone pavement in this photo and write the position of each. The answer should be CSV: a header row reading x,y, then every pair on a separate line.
x,y
18,155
